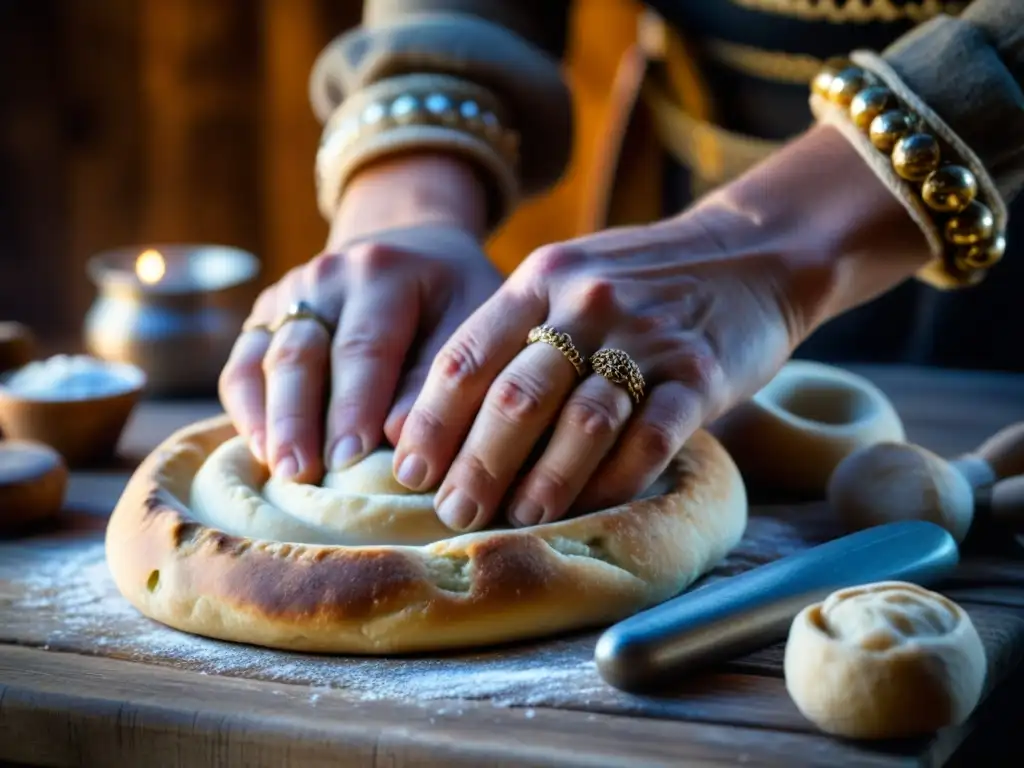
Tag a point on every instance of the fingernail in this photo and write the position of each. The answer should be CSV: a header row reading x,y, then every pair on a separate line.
x,y
287,467
256,447
346,450
458,511
412,472
527,512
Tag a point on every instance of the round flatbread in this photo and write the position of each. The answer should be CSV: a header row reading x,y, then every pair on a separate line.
x,y
201,541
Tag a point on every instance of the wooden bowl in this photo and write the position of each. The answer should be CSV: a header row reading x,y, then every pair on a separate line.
x,y
84,430
17,346
33,481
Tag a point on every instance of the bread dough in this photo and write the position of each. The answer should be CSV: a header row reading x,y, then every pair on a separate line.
x,y
888,482
793,433
885,660
200,541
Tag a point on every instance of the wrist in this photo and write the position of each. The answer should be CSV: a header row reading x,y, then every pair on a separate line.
x,y
824,211
409,191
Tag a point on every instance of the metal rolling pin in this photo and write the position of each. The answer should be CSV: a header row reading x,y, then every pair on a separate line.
x,y
740,614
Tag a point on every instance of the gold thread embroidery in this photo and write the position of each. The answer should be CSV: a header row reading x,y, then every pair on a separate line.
x,y
856,11
797,68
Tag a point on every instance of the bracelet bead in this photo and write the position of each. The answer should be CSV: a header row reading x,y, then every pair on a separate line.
x,y
847,84
973,225
981,255
823,80
869,104
889,127
949,189
915,156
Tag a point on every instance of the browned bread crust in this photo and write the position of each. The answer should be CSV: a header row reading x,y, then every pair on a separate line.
x,y
469,590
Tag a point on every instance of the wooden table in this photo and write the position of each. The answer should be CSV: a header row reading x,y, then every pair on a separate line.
x,y
85,681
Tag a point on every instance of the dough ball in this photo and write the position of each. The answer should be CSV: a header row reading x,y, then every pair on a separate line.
x,y
890,482
885,660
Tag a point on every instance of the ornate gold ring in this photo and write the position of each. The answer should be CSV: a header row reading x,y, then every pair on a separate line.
x,y
560,341
619,368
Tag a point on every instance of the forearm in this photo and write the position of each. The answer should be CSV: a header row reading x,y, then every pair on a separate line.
x,y
841,235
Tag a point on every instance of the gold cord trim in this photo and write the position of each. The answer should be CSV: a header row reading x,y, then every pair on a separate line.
x,y
795,68
855,11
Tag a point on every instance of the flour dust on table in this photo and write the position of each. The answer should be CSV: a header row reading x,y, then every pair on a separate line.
x,y
62,593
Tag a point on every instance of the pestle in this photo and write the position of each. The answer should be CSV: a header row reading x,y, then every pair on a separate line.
x,y
792,434
888,481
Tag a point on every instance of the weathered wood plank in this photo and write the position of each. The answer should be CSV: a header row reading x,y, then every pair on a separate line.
x,y
200,88
292,35
67,710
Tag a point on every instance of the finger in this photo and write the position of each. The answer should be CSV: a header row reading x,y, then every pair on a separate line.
x,y
412,381
519,407
666,420
378,324
295,367
242,390
457,382
588,425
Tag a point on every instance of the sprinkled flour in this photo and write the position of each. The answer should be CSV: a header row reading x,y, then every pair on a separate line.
x,y
73,589
58,594
71,377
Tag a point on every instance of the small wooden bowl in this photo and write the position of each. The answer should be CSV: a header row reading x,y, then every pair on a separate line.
x,y
17,346
86,430
33,481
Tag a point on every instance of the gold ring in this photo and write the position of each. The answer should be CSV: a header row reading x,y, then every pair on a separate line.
x,y
560,341
302,310
619,368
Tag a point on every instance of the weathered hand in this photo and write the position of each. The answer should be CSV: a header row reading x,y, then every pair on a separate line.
x,y
706,323
709,305
395,294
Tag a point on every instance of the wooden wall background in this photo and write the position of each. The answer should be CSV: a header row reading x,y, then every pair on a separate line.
x,y
125,121
132,121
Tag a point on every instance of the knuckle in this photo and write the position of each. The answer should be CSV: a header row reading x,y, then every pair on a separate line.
x,y
699,369
596,295
553,259
324,267
422,426
231,375
459,362
473,470
364,344
550,488
290,353
372,256
517,398
655,440
592,417
652,323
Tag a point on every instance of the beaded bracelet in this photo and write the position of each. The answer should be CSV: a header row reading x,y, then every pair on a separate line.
x,y
416,111
973,242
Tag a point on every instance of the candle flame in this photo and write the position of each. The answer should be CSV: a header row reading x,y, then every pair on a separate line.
x,y
150,266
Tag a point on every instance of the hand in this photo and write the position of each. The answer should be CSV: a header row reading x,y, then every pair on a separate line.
x,y
709,305
402,270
